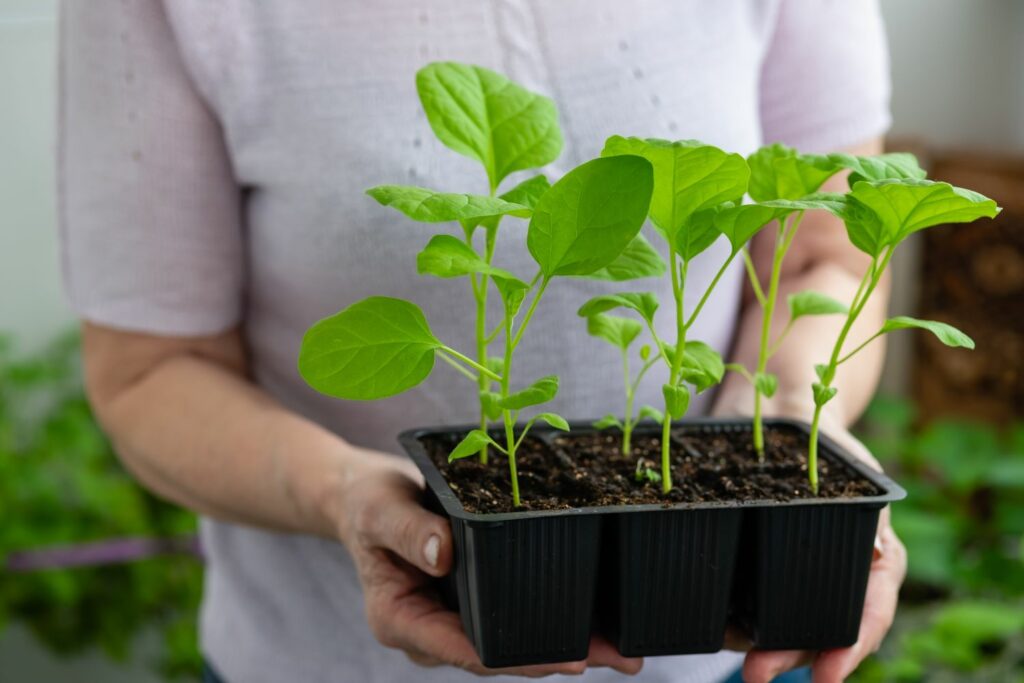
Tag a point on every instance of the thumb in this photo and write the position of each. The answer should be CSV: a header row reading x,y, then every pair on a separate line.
x,y
397,522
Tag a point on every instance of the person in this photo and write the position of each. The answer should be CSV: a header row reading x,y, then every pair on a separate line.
x,y
213,158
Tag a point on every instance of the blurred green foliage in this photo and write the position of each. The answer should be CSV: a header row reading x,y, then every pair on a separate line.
x,y
962,609
60,483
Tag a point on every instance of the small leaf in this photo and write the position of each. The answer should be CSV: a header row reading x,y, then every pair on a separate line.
x,y
513,292
677,400
375,348
651,413
822,393
445,256
821,370
780,172
528,192
638,260
645,352
472,444
484,116
496,364
489,401
541,391
766,383
588,217
813,303
702,365
947,334
644,303
607,422
554,420
689,176
880,167
619,332
428,206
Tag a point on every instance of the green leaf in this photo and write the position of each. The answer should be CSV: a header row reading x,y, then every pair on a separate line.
x,y
428,206
810,302
375,348
645,352
677,400
780,172
689,176
881,167
822,393
446,256
489,401
472,444
766,383
644,303
617,331
897,208
496,364
541,391
702,366
740,223
651,413
699,232
513,292
607,422
588,217
947,334
528,192
820,369
639,259
553,419
484,116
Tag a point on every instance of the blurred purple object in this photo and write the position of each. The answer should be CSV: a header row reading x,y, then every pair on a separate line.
x,y
113,551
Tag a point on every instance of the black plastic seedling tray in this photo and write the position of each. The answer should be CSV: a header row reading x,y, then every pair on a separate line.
x,y
532,586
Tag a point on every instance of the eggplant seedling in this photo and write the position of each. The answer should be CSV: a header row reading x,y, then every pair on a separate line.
x,y
879,215
621,333
382,346
784,185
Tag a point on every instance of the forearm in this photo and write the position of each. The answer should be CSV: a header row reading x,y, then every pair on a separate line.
x,y
196,431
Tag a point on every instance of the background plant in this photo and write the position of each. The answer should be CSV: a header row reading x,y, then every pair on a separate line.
x,y
621,332
60,484
963,525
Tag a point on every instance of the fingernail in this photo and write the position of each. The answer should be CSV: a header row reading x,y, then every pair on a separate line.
x,y
878,548
431,548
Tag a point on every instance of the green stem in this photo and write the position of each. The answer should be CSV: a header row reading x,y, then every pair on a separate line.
x,y
482,340
627,420
707,292
470,362
678,289
755,282
510,440
531,309
812,450
767,312
458,366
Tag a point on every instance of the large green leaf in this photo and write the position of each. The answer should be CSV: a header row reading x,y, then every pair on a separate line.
x,y
780,172
617,331
541,391
375,348
589,216
428,206
446,256
897,208
689,176
947,334
880,167
644,303
809,302
638,260
484,116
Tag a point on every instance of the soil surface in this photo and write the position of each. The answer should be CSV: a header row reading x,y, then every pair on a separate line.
x,y
588,469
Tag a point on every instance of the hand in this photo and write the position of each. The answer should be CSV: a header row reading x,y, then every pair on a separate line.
x,y
398,548
888,570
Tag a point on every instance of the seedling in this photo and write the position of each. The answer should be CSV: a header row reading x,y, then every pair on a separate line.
x,y
784,185
691,182
879,215
580,226
621,333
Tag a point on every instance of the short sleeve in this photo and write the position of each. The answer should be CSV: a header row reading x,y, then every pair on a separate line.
x,y
150,222
825,80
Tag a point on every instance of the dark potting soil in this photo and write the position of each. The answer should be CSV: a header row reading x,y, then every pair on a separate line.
x,y
587,469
